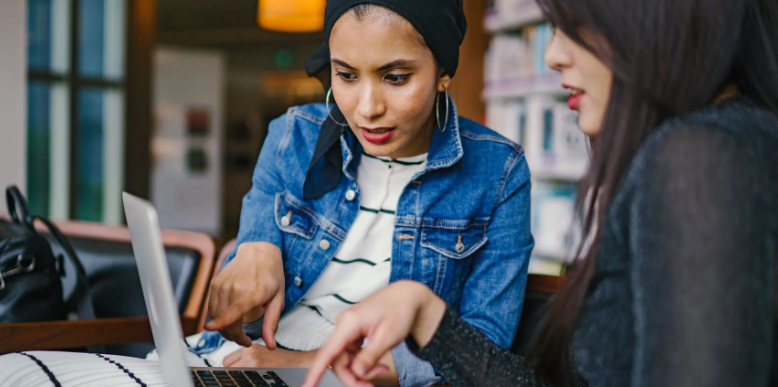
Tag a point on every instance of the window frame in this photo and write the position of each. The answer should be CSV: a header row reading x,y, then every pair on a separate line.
x,y
74,82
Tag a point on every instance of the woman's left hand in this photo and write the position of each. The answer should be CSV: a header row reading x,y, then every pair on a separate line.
x,y
259,356
384,319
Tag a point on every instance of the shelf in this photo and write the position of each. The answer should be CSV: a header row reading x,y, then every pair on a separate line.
x,y
556,255
570,171
541,265
521,14
544,84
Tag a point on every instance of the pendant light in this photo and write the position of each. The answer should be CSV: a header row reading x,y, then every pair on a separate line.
x,y
291,15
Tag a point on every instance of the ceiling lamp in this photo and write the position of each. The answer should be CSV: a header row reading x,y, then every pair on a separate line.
x,y
291,15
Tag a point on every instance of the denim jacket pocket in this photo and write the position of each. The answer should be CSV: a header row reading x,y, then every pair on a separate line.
x,y
292,216
454,239
447,244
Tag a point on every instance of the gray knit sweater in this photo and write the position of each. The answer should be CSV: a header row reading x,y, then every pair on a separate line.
x,y
684,289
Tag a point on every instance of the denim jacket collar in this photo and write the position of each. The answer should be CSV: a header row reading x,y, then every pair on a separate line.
x,y
328,165
351,150
446,146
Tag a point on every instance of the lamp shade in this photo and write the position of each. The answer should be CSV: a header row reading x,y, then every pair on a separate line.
x,y
291,15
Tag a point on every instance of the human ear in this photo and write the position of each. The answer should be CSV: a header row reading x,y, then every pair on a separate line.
x,y
443,82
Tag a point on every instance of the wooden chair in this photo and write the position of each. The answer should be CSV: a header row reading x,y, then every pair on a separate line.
x,y
89,240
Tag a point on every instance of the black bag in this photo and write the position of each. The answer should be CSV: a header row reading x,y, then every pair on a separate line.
x,y
30,274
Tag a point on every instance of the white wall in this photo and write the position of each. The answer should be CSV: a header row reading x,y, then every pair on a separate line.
x,y
186,79
13,95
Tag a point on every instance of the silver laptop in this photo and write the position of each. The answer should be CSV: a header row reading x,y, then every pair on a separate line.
x,y
165,324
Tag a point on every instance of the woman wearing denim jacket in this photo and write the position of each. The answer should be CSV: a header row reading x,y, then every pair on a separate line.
x,y
460,220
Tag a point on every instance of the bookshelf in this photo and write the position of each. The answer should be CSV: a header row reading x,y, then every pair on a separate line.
x,y
512,15
567,172
522,87
525,102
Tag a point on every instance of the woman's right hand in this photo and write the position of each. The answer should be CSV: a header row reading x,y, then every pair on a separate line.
x,y
384,320
250,286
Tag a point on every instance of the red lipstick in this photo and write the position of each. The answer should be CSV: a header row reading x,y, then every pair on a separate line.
x,y
576,95
574,101
377,135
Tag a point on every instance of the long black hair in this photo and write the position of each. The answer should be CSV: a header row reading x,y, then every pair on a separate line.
x,y
668,57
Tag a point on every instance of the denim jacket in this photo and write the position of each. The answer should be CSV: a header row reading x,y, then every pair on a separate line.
x,y
462,225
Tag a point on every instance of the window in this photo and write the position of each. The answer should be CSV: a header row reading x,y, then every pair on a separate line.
x,y
75,112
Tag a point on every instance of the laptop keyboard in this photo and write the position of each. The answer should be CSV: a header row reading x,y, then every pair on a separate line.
x,y
206,378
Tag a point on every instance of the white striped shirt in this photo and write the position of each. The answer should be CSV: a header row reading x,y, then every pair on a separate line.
x,y
362,264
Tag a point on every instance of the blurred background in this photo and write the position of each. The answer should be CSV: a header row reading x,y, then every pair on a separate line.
x,y
170,100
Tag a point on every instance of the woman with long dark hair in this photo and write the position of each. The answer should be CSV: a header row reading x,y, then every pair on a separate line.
x,y
677,278
382,182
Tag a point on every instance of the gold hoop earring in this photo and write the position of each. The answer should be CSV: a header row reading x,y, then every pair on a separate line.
x,y
327,104
437,111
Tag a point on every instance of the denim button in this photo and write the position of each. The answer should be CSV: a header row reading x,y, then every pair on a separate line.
x,y
350,195
460,247
298,281
324,244
285,221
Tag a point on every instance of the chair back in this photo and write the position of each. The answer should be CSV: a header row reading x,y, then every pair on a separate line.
x,y
107,255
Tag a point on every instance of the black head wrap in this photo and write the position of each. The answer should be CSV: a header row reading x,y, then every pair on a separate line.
x,y
441,23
